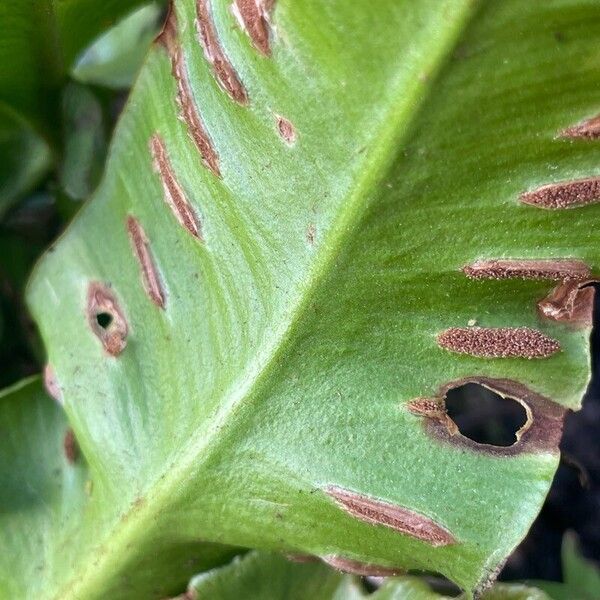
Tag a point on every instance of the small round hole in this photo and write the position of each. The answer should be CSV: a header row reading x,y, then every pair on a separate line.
x,y
104,319
484,416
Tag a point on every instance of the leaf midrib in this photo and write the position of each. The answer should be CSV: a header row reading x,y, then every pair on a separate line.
x,y
395,125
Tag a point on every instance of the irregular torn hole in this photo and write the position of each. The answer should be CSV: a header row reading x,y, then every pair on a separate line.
x,y
498,342
355,567
223,69
253,17
106,319
141,249
588,129
485,416
553,269
173,192
571,302
185,101
379,512
541,432
568,194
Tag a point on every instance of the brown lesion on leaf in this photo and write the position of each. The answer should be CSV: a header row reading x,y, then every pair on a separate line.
x,y
379,512
434,408
588,129
70,447
254,18
552,269
571,302
355,567
498,342
141,249
541,431
106,318
311,234
223,69
173,192
185,101
51,384
301,558
286,130
567,194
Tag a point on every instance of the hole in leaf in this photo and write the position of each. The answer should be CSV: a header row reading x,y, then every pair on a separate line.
x,y
104,319
484,416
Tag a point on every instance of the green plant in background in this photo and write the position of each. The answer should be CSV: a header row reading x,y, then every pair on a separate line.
x,y
316,219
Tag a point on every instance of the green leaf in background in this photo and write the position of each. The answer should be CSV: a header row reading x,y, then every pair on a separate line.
x,y
46,492
114,59
581,577
300,244
262,576
41,40
85,143
24,158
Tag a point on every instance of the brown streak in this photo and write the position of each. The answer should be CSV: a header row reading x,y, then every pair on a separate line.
x,y
286,130
140,245
555,269
571,302
568,194
355,567
541,432
403,520
588,129
51,384
223,69
185,101
253,16
101,300
173,194
498,342
70,446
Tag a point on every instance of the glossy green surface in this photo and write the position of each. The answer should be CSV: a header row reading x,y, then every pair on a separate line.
x,y
295,334
262,576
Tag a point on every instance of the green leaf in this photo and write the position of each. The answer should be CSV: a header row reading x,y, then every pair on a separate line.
x,y
243,357
46,493
262,576
24,158
85,143
114,59
581,576
39,42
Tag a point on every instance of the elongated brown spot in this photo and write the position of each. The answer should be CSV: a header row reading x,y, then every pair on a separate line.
x,y
498,342
286,130
588,129
399,518
141,249
301,558
569,194
106,318
355,567
224,71
173,194
51,384
557,270
311,234
541,431
253,16
70,446
187,107
571,302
